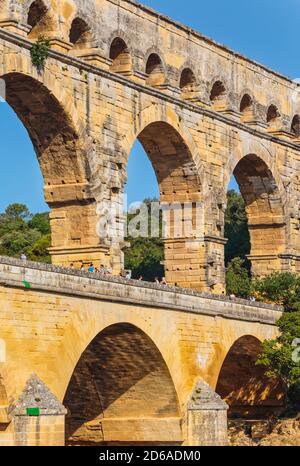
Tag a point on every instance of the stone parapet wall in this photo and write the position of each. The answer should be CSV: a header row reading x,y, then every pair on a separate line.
x,y
14,272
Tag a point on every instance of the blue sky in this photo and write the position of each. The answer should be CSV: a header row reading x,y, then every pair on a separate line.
x,y
264,30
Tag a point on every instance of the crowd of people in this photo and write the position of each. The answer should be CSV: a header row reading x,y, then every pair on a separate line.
x,y
126,274
91,268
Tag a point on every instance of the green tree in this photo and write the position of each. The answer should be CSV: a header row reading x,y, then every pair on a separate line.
x,y
145,255
14,218
238,281
281,358
279,288
15,243
16,211
144,258
41,223
22,232
236,228
39,250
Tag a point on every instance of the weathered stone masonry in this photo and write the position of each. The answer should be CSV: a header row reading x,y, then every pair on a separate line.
x,y
118,72
93,360
130,362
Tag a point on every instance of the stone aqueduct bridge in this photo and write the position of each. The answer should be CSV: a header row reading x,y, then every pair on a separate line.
x,y
126,362
119,72
129,362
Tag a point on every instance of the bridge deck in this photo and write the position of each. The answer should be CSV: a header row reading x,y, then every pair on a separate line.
x,y
44,277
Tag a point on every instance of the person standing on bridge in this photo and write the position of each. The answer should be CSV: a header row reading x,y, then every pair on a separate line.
x,y
91,268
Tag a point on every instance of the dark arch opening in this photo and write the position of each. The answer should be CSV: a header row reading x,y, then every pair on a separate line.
x,y
36,13
155,71
218,91
120,56
246,108
120,379
80,33
218,95
188,83
39,19
246,103
273,115
295,127
265,213
243,384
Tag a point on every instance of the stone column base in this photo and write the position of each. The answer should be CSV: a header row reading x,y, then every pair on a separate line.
x,y
267,264
197,264
38,418
206,418
98,255
290,262
264,264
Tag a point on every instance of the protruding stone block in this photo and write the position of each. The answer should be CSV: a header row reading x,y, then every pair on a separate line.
x,y
206,417
12,25
38,416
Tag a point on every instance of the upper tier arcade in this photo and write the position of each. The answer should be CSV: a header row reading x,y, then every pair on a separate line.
x,y
128,38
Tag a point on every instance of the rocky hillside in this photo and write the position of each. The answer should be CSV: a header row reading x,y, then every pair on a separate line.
x,y
284,432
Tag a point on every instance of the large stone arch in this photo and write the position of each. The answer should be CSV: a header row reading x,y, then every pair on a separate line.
x,y
244,385
120,380
51,130
21,64
265,197
182,182
64,152
168,116
86,325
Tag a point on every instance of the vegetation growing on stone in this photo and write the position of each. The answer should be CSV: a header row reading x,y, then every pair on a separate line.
x,y
40,52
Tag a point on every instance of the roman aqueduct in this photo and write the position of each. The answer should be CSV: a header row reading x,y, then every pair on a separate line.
x,y
118,72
